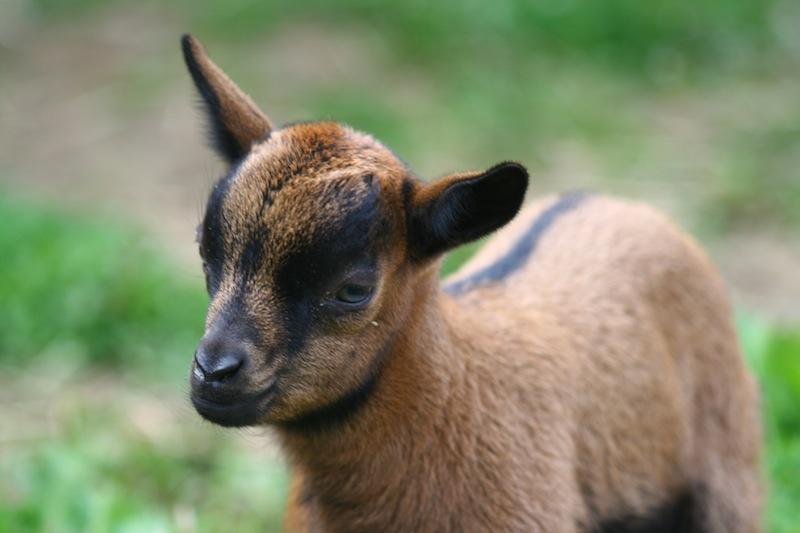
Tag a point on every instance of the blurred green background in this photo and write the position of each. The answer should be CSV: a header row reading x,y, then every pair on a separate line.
x,y
693,106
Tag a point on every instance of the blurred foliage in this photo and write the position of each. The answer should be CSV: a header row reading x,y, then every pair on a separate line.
x,y
641,36
82,289
474,82
507,78
774,355
763,180
99,475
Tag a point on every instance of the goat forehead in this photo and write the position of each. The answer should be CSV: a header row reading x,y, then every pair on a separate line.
x,y
274,164
299,209
314,227
298,154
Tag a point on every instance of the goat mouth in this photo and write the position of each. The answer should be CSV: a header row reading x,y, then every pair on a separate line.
x,y
243,411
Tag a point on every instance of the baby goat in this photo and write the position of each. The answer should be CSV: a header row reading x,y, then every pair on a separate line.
x,y
580,374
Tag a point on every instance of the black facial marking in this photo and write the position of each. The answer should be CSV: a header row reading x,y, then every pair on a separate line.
x,y
299,318
310,272
407,192
524,247
212,243
335,247
252,253
680,515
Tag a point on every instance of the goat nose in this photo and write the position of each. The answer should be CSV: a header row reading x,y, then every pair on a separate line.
x,y
216,369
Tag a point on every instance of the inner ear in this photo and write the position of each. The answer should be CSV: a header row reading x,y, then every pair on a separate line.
x,y
461,208
235,120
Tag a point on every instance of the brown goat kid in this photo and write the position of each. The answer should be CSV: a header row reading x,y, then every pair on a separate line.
x,y
580,374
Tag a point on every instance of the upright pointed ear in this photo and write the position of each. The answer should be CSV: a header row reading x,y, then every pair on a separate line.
x,y
463,207
235,120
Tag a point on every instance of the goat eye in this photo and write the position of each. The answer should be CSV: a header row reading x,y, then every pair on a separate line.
x,y
353,294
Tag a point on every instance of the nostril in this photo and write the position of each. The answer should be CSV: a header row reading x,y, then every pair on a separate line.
x,y
199,364
225,366
216,369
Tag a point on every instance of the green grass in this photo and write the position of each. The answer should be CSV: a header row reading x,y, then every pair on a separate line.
x,y
81,289
90,289
641,37
774,355
781,386
101,475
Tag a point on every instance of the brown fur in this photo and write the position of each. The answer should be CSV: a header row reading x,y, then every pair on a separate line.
x,y
595,382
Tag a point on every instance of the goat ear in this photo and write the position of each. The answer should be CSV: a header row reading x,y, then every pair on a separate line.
x,y
463,207
235,121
